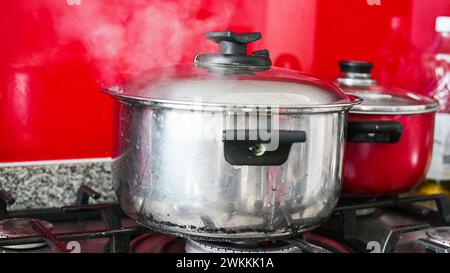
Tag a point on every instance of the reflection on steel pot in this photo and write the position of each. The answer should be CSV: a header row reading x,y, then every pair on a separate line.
x,y
390,135
229,148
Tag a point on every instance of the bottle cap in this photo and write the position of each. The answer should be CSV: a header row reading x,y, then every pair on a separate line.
x,y
443,24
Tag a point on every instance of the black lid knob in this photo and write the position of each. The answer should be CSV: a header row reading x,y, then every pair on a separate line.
x,y
233,52
356,67
233,43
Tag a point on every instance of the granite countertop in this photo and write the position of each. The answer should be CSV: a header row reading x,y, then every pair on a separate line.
x,y
55,185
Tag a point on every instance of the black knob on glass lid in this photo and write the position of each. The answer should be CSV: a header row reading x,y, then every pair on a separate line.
x,y
356,67
233,52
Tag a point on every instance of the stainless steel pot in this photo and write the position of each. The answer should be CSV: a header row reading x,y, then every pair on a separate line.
x,y
229,148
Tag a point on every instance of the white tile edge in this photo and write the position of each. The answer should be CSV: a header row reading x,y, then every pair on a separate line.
x,y
55,162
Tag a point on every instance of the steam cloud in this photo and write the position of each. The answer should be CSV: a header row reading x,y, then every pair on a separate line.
x,y
128,37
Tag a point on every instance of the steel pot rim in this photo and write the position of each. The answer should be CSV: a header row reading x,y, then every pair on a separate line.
x,y
395,110
220,107
421,104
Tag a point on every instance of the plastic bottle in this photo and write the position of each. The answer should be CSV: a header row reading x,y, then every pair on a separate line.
x,y
437,64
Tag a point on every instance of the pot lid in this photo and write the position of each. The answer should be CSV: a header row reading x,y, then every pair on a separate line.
x,y
356,79
232,78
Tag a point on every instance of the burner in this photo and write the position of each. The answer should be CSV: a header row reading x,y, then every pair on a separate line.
x,y
365,212
21,227
240,247
157,243
440,235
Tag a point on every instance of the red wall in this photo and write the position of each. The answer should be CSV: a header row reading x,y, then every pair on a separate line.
x,y
50,106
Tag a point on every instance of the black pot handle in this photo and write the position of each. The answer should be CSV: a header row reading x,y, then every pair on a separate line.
x,y
248,148
374,131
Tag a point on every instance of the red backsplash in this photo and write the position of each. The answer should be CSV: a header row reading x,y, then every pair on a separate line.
x,y
55,54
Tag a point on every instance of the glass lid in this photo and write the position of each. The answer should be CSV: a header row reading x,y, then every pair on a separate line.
x,y
231,78
355,79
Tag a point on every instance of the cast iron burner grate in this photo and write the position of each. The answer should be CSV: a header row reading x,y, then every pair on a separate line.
x,y
346,224
119,237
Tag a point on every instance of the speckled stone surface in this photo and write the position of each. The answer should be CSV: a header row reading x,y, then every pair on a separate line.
x,y
55,185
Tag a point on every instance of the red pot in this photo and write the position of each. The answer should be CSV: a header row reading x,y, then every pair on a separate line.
x,y
389,136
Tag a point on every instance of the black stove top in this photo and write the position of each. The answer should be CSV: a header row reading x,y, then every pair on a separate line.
x,y
388,224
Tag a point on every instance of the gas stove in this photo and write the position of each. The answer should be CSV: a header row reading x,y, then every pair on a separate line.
x,y
390,224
